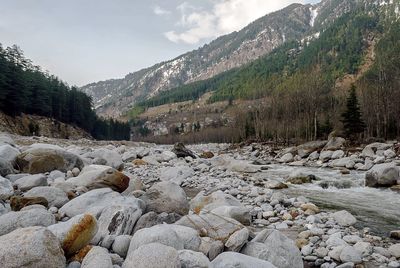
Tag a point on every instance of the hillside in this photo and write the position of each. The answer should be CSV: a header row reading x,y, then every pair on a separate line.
x,y
114,97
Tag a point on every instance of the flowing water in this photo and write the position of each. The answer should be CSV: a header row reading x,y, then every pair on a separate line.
x,y
378,209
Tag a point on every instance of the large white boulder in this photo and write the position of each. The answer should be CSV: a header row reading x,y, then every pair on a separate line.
x,y
55,196
382,175
233,259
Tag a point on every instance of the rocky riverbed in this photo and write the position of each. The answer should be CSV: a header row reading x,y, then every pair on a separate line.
x,y
123,204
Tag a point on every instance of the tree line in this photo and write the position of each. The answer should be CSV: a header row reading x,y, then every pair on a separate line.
x,y
25,88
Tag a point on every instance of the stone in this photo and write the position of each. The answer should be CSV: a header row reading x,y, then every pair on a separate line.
x,y
54,196
210,247
96,200
17,203
212,201
335,143
147,220
6,189
176,174
237,240
129,156
371,149
395,234
31,247
21,219
313,156
28,182
337,154
395,250
9,153
121,245
41,158
306,149
75,233
352,239
97,257
389,153
344,218
117,220
364,248
286,158
241,214
207,155
181,151
153,255
273,246
310,207
349,254
191,259
335,253
325,156
97,176
166,197
346,162
298,177
139,162
382,175
106,157
213,226
6,167
233,259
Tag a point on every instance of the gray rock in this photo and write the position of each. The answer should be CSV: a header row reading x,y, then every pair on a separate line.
x,y
286,158
31,247
241,214
97,257
193,259
237,240
349,254
31,181
382,175
346,162
371,149
211,225
210,247
325,156
335,143
314,156
306,149
9,153
273,246
41,158
117,220
344,218
166,197
364,248
55,196
176,174
6,188
121,245
395,250
5,167
237,260
337,154
74,264
96,200
212,201
153,255
21,219
106,157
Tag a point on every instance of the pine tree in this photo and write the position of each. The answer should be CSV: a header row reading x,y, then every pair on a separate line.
x,y
352,120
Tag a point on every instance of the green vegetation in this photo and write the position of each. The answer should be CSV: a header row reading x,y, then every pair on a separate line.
x,y
25,88
352,120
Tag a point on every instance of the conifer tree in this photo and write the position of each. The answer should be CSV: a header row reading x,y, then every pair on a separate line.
x,y
352,119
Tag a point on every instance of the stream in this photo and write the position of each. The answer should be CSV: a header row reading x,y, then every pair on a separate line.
x,y
378,209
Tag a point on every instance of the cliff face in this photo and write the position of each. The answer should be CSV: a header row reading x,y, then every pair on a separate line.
x,y
28,125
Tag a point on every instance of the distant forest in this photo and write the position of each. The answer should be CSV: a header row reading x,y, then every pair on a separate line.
x,y
25,88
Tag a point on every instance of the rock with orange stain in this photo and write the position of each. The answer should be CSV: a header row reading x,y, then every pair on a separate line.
x,y
97,176
139,162
80,255
75,233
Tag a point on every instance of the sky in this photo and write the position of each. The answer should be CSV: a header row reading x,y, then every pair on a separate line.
x,y
84,41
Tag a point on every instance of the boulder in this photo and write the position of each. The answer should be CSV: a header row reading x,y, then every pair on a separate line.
x,y
129,156
233,259
28,182
6,188
6,167
273,246
237,240
178,237
241,214
96,200
153,255
325,156
31,247
166,197
17,202
382,175
106,157
337,154
286,158
395,250
371,149
181,151
313,156
210,247
344,218
211,225
334,143
191,259
212,201
346,162
349,254
299,177
55,196
176,174
75,233
97,176
97,257
207,155
117,220
41,158
6,139
121,245
9,153
306,149
21,219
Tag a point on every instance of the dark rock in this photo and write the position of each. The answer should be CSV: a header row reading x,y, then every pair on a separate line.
x,y
181,151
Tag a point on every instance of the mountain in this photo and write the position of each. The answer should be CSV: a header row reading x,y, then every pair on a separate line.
x,y
114,97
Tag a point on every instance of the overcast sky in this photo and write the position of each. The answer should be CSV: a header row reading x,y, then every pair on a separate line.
x,y
84,41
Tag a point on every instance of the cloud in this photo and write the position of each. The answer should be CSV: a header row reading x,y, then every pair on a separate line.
x,y
160,11
224,17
